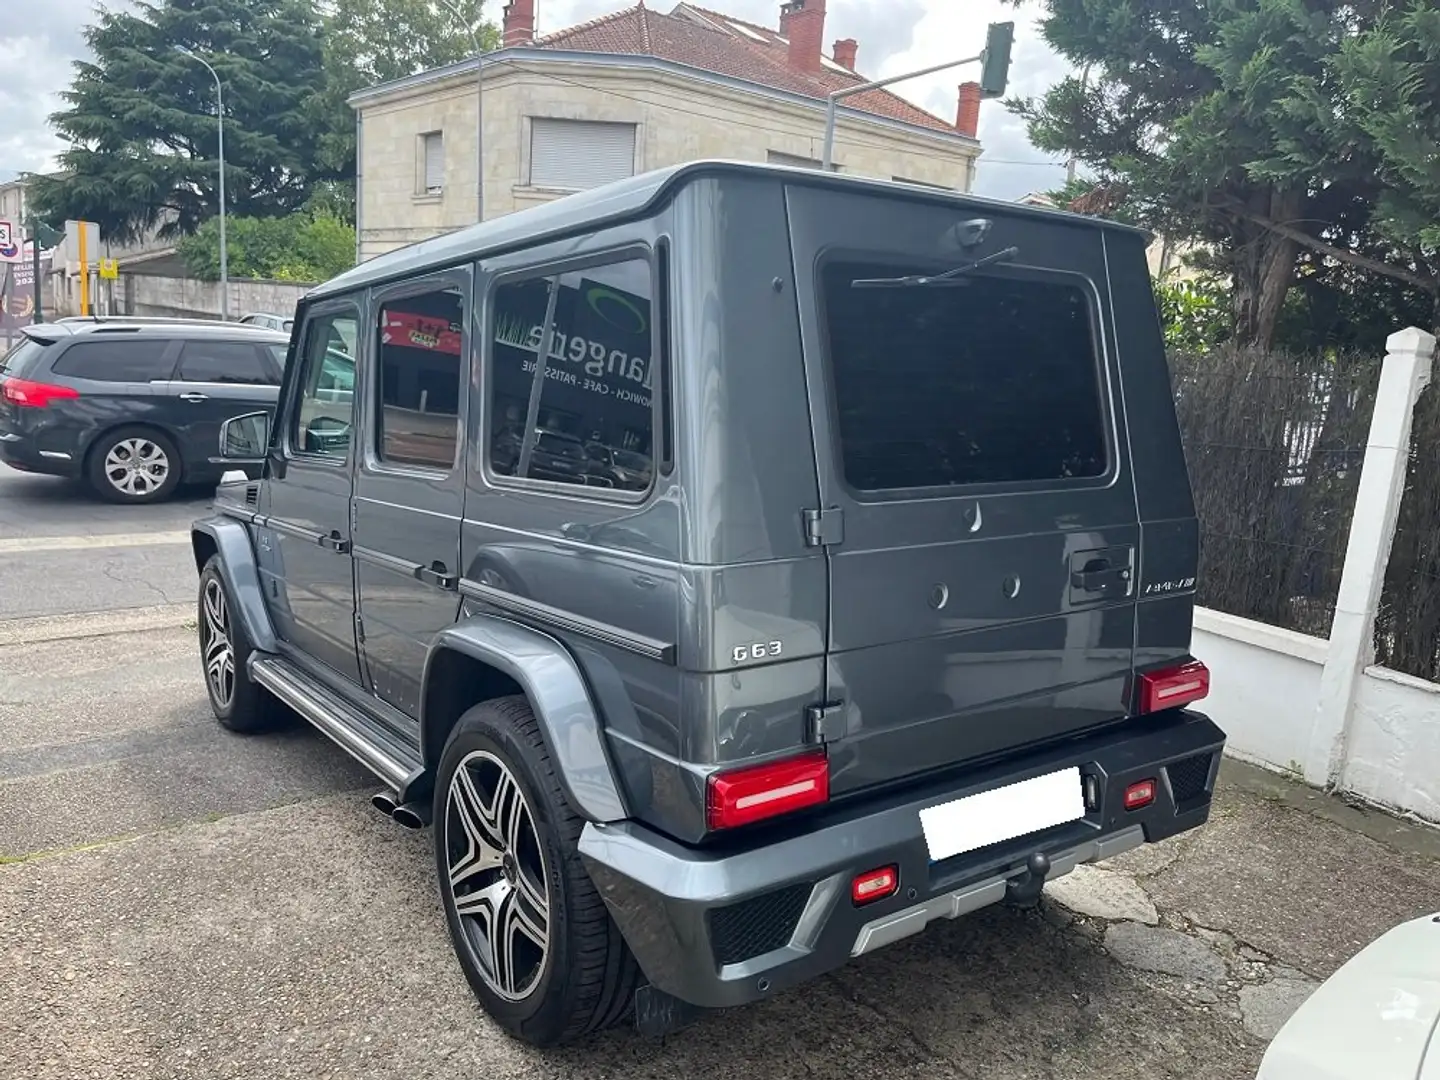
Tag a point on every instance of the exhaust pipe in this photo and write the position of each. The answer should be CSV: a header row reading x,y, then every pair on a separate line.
x,y
384,801
412,815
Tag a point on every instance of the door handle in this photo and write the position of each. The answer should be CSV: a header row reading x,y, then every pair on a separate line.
x,y
1097,575
645,581
436,574
335,542
193,395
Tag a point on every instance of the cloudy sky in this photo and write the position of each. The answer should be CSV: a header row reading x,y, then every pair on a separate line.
x,y
895,36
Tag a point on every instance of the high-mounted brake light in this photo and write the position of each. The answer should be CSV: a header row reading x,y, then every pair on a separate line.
x,y
34,395
1172,687
765,791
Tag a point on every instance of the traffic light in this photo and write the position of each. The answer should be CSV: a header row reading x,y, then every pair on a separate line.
x,y
995,60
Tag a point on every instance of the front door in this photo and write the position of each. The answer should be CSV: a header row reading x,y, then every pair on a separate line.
x,y
214,380
410,488
305,554
978,508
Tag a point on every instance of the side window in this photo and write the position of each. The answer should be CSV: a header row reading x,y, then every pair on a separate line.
x,y
109,360
594,418
324,413
222,362
418,370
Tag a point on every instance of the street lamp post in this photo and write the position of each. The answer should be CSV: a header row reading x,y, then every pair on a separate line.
x,y
220,121
829,160
479,98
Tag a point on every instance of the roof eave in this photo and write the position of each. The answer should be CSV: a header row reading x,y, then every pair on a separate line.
x,y
632,61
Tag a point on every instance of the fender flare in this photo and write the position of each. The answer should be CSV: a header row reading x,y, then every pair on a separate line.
x,y
237,562
559,696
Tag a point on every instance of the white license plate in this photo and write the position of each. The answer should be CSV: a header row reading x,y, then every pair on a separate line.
x,y
978,821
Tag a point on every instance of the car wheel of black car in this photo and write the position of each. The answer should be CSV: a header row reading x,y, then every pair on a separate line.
x,y
238,703
534,938
134,465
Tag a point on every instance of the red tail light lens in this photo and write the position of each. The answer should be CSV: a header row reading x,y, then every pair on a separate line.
x,y
1140,794
764,791
34,395
1172,687
875,885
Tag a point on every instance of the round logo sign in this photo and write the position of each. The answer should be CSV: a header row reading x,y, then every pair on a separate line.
x,y
616,309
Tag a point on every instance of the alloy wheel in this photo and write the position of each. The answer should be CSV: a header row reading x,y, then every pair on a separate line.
x,y
215,645
137,467
497,877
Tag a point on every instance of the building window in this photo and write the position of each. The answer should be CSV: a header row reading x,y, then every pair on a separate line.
x,y
573,155
432,163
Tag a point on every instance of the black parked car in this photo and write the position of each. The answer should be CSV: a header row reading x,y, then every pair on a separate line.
x,y
133,407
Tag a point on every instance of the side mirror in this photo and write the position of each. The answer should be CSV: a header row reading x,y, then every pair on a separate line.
x,y
245,438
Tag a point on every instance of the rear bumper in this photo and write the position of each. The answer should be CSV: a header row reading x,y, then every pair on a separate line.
x,y
731,926
24,452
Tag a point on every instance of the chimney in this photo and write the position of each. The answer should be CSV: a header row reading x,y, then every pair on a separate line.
x,y
845,51
519,25
803,22
967,121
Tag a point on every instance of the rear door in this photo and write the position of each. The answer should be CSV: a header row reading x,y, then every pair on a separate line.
x,y
977,505
215,380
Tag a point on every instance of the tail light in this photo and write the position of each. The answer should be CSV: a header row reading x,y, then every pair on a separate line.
x,y
874,885
764,791
1172,687
34,395
1140,794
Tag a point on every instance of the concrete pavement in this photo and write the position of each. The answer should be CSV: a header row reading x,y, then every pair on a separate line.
x,y
180,902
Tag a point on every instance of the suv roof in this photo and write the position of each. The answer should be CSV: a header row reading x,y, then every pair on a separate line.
x,y
146,327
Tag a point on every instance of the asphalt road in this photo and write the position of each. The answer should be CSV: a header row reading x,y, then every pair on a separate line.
x,y
63,550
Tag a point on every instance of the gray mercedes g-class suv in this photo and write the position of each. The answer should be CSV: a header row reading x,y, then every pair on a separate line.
x,y
740,567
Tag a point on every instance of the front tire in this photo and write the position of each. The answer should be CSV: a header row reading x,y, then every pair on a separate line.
x,y
533,937
239,704
134,465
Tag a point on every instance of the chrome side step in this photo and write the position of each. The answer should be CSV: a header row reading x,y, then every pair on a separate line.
x,y
353,732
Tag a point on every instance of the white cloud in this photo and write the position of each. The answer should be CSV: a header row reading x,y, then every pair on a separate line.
x,y
895,36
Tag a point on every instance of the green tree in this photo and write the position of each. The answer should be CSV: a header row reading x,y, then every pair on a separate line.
x,y
375,41
140,117
305,246
1264,128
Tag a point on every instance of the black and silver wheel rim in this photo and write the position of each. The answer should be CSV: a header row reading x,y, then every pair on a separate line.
x,y
496,875
137,467
216,647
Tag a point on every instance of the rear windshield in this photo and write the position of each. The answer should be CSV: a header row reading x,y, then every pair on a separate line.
x,y
992,380
136,360
22,357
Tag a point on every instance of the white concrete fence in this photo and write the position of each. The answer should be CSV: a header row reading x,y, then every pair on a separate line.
x,y
1321,709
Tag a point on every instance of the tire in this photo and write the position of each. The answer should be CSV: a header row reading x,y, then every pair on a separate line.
x,y
247,707
134,465
584,978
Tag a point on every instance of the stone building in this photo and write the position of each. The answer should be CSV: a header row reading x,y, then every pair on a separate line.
x,y
632,91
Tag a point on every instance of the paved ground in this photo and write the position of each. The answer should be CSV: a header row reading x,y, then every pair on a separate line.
x,y
178,902
64,550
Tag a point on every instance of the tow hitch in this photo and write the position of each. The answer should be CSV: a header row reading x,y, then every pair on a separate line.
x,y
1024,889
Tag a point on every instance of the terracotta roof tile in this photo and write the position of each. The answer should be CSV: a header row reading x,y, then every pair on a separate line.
x,y
712,45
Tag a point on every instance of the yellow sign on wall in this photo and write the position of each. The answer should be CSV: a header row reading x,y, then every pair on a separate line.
x,y
109,269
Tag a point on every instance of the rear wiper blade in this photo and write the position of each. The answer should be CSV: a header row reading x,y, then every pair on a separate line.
x,y
935,279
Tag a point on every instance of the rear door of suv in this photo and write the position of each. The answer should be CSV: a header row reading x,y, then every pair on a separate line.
x,y
977,505
217,378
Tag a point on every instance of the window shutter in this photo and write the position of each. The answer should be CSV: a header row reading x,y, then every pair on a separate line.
x,y
574,155
434,162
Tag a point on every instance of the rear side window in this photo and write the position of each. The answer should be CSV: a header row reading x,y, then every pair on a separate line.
x,y
111,360
594,416
222,362
421,340
991,380
22,357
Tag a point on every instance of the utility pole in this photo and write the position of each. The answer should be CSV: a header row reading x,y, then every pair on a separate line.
x,y
475,32
220,121
995,58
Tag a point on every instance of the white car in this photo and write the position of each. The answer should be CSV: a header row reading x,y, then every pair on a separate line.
x,y
268,320
1374,1019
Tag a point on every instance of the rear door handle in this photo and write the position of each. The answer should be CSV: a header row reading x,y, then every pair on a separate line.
x,y
336,543
436,574
193,395
1098,575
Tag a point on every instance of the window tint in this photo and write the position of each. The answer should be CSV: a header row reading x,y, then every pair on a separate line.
x,y
595,395
20,358
222,362
421,338
278,354
136,360
325,412
991,380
